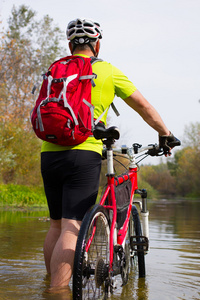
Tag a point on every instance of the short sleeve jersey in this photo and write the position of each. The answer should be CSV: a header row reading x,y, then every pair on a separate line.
x,y
110,82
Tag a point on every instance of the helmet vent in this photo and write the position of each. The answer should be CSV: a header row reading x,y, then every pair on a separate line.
x,y
84,28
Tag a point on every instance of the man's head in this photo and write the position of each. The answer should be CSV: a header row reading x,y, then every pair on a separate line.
x,y
84,34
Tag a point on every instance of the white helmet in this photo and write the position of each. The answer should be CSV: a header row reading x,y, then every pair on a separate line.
x,y
80,29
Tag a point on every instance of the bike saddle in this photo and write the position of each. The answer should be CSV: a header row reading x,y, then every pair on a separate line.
x,y
101,132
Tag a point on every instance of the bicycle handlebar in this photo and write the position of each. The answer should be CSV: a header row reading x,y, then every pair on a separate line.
x,y
152,149
157,151
109,136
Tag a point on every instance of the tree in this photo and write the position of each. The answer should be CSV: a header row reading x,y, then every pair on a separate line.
x,y
27,48
159,178
186,163
19,155
192,136
24,57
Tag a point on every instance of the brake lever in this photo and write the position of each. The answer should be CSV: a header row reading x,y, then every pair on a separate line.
x,y
155,151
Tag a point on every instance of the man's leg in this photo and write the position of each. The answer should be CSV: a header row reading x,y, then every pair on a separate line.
x,y
50,241
62,259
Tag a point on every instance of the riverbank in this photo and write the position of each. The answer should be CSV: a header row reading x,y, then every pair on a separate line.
x,y
22,196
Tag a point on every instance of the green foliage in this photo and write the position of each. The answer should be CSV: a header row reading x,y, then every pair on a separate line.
x,y
28,47
159,178
49,38
180,176
192,136
19,155
186,169
186,164
21,196
152,193
19,20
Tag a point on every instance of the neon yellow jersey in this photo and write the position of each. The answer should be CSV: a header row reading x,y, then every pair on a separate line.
x,y
110,81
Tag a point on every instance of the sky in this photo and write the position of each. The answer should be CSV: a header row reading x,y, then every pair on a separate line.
x,y
155,43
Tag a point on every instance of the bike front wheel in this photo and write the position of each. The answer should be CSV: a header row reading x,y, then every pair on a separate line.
x,y
91,262
137,256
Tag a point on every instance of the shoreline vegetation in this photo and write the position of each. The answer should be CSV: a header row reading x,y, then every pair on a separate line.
x,y
33,197
20,196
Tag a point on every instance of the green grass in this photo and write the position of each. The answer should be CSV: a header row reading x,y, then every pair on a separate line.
x,y
29,196
21,196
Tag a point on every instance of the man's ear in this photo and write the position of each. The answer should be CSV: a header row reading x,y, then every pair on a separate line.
x,y
97,48
70,47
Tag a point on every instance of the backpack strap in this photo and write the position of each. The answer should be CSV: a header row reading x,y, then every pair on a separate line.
x,y
66,81
91,107
94,60
115,109
103,113
88,77
93,76
64,90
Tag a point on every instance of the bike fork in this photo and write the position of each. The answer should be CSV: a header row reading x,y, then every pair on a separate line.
x,y
144,212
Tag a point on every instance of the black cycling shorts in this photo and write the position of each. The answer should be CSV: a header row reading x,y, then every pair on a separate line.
x,y
71,182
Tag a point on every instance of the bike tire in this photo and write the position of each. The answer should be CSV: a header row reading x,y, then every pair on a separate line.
x,y
127,263
91,267
135,231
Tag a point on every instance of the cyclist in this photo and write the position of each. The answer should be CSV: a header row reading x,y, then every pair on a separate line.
x,y
71,174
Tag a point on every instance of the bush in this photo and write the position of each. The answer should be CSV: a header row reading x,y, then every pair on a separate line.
x,y
21,196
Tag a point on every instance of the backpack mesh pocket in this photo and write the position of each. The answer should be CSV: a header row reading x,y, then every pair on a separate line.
x,y
122,194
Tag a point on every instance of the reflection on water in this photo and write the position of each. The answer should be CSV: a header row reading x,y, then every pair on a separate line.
x,y
175,249
172,265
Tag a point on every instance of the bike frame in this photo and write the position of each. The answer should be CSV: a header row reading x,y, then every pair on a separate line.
x,y
110,195
119,233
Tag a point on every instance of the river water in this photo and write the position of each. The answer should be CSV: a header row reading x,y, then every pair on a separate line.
x,y
172,264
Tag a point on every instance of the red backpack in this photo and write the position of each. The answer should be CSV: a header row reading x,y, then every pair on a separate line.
x,y
63,113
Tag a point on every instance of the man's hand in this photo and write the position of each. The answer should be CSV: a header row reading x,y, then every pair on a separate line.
x,y
167,142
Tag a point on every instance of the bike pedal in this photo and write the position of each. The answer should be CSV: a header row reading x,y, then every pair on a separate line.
x,y
139,243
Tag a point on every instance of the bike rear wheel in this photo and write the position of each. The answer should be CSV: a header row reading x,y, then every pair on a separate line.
x,y
91,262
137,256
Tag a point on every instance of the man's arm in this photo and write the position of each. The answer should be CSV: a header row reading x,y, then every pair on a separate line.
x,y
147,112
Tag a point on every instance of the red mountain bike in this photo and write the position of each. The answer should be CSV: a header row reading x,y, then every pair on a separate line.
x,y
111,237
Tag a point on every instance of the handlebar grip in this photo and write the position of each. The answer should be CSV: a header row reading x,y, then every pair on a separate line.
x,y
155,151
